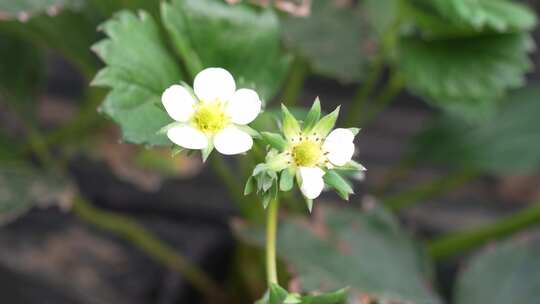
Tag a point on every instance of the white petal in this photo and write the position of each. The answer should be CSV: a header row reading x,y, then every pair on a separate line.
x,y
178,102
340,147
244,106
312,181
188,137
340,135
213,84
232,140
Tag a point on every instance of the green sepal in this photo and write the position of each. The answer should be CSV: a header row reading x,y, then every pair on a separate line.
x,y
354,130
334,180
250,185
313,116
286,181
175,150
271,194
326,124
291,127
309,204
258,169
165,129
277,294
277,161
249,130
206,151
351,166
275,140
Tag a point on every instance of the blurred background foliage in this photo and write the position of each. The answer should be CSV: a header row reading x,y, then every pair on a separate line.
x,y
466,63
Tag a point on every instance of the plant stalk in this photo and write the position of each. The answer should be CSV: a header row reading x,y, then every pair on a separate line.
x,y
295,82
271,231
462,241
427,191
140,237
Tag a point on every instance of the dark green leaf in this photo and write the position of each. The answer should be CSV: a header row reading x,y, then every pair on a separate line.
x,y
241,38
364,250
22,188
466,75
139,69
506,273
275,140
250,185
336,297
333,179
507,143
21,73
334,39
474,15
277,294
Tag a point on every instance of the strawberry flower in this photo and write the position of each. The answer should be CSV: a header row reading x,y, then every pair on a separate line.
x,y
216,114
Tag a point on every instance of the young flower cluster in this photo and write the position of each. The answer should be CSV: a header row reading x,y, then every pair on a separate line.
x,y
216,114
311,152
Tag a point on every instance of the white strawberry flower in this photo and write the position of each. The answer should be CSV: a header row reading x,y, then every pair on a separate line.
x,y
310,151
215,116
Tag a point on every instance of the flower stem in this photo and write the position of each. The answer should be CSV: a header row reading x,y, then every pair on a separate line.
x,y
296,80
427,191
459,242
140,237
271,231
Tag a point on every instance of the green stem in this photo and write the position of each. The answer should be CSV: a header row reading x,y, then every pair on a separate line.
x,y
271,231
139,236
295,83
393,87
459,242
428,191
354,115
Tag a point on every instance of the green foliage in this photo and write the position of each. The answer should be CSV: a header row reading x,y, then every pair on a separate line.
x,y
513,267
473,15
22,187
20,74
335,40
507,143
326,124
139,68
67,26
275,140
239,38
366,251
312,116
291,126
465,75
206,33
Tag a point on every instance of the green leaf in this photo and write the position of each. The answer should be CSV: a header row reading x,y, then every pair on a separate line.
x,y
109,7
23,187
139,68
326,124
478,15
367,251
509,143
334,39
21,74
240,38
64,25
465,76
286,181
333,179
275,140
313,116
512,267
291,127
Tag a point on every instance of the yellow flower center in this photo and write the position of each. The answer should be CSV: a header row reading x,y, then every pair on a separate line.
x,y
210,117
307,153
